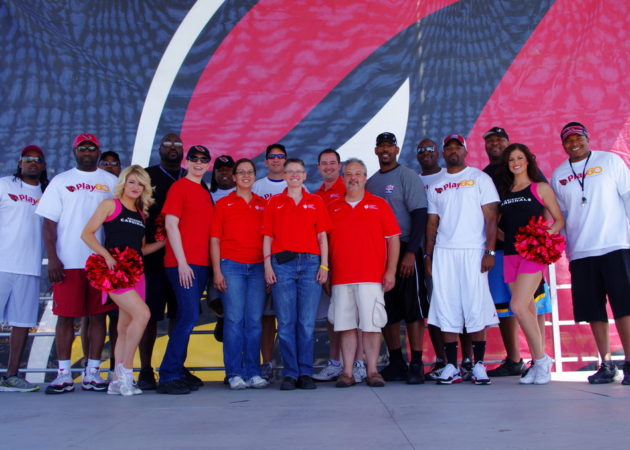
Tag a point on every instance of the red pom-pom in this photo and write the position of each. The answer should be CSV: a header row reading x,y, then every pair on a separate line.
x,y
534,243
126,273
160,230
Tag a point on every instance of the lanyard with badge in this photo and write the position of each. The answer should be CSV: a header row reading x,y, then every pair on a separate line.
x,y
583,179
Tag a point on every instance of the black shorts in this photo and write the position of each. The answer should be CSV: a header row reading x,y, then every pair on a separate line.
x,y
595,277
160,295
408,299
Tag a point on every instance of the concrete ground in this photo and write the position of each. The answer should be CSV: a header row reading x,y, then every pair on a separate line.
x,y
505,415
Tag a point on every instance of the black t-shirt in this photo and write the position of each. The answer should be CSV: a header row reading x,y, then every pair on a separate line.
x,y
125,230
161,180
516,210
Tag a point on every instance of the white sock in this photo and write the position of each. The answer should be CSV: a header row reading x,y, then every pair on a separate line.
x,y
64,365
541,359
93,363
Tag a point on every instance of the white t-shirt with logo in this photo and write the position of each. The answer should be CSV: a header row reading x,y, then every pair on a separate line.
x,y
20,227
220,193
267,188
600,225
428,180
70,200
457,198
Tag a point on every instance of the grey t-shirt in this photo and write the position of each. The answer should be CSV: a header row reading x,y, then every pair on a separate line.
x,y
403,190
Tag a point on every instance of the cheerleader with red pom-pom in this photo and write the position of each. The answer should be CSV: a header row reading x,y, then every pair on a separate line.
x,y
525,202
117,270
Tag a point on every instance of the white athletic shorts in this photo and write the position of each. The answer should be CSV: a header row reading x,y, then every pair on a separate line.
x,y
19,299
359,305
461,297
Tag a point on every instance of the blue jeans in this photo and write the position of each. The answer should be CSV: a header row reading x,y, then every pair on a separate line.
x,y
296,298
243,304
172,367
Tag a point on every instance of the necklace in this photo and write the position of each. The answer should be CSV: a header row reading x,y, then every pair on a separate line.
x,y
168,174
583,178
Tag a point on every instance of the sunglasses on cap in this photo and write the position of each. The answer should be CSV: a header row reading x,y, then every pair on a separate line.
x,y
198,159
109,163
172,144
87,148
29,159
276,155
426,149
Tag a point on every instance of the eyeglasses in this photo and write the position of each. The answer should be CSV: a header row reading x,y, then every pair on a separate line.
x,y
276,155
109,163
172,144
29,159
245,172
197,159
87,148
426,149
293,172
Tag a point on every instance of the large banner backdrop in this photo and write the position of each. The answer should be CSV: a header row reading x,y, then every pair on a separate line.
x,y
236,76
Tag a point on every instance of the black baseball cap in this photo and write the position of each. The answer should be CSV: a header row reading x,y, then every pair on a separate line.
x,y
498,131
198,150
389,137
223,161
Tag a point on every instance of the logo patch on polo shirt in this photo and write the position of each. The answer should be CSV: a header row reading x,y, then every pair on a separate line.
x,y
389,189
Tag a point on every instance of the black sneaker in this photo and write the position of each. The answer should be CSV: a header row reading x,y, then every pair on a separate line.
x,y
508,368
192,380
146,379
436,370
305,382
175,387
607,373
626,374
415,374
288,384
395,371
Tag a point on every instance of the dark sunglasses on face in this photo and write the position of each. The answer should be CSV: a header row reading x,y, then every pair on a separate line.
x,y
109,163
172,144
87,148
198,159
276,155
29,159
426,149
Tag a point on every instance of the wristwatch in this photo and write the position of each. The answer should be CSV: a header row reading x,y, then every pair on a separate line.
x,y
490,252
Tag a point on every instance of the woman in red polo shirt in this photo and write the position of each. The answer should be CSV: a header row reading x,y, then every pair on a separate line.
x,y
296,265
237,258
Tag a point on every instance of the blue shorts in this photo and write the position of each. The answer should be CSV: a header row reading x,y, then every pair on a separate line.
x,y
501,294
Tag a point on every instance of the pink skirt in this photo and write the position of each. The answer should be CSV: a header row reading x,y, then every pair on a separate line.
x,y
139,287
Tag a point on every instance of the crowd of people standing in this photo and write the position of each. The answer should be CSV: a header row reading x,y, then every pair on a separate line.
x,y
432,249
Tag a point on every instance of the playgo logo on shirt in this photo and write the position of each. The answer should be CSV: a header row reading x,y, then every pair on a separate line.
x,y
455,185
597,170
88,187
24,198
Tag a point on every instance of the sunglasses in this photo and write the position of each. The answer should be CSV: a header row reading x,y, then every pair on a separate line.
x,y
29,159
87,148
426,149
198,159
109,163
172,144
276,155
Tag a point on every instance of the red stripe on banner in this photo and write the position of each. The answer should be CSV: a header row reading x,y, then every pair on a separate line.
x,y
280,61
574,67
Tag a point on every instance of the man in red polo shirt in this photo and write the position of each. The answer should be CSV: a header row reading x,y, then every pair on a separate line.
x,y
364,249
329,166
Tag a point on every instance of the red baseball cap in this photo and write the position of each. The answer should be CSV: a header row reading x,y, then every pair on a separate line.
x,y
457,137
32,148
83,137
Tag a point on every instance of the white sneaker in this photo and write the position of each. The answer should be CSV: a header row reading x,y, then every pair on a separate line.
x,y
256,382
529,375
113,388
449,375
479,375
359,371
92,380
237,383
125,381
62,384
330,372
543,373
